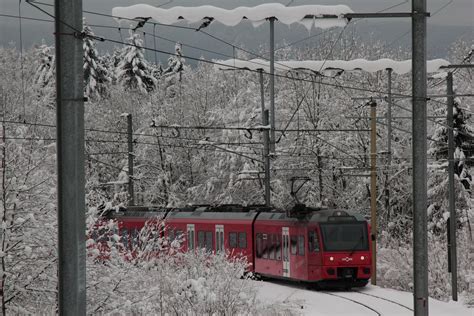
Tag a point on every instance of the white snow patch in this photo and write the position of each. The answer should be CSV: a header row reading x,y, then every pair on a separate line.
x,y
257,15
399,67
446,216
309,302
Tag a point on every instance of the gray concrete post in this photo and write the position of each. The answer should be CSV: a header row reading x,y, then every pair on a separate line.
x,y
451,193
419,148
70,155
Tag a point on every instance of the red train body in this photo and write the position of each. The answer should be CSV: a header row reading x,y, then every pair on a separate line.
x,y
319,246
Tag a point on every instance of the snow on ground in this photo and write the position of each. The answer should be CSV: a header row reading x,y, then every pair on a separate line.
x,y
371,300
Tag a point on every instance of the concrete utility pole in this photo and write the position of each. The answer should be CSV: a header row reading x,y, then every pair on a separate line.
x,y
452,209
389,142
266,158
131,194
272,84
154,44
262,95
419,147
70,155
373,187
266,141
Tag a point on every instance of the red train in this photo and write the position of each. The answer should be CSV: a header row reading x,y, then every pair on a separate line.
x,y
322,247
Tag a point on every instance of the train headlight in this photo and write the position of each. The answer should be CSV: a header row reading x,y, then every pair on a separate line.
x,y
331,258
362,257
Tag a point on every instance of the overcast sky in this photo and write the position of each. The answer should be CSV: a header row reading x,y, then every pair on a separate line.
x,y
453,21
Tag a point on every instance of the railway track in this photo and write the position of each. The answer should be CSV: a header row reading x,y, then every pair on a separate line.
x,y
367,303
353,301
385,299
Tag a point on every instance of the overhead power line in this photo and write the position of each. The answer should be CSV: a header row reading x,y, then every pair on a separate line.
x,y
332,29
79,33
195,127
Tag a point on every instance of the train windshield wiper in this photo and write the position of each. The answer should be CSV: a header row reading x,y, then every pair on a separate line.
x,y
361,238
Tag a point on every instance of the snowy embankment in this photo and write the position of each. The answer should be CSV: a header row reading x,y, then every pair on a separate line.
x,y
371,300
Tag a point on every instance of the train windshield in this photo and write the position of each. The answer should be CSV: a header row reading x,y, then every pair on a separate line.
x,y
345,236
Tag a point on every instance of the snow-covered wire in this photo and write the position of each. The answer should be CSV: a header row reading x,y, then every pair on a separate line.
x,y
211,62
194,127
332,29
409,31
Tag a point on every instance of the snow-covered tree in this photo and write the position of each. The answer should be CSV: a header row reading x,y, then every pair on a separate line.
x,y
27,209
152,276
44,79
463,132
133,71
96,76
175,62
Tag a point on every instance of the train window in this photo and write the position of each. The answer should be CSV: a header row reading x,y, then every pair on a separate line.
x,y
219,241
286,247
294,245
124,236
201,239
209,241
170,234
243,240
134,238
301,245
179,236
259,245
93,235
233,240
345,236
313,241
316,242
271,248
190,238
265,243
102,235
278,247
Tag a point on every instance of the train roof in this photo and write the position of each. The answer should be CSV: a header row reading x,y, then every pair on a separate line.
x,y
236,212
323,215
135,212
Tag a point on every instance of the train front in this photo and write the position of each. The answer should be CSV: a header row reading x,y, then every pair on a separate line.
x,y
345,254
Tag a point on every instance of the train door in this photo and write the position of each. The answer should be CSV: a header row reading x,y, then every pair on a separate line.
x,y
219,238
286,251
191,239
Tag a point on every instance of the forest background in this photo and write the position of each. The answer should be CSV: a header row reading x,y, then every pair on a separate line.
x,y
176,166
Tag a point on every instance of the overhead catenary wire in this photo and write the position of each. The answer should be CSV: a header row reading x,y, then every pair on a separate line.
x,y
25,18
277,75
409,31
166,25
367,90
465,60
332,29
194,127
79,33
249,70
304,96
431,120
189,28
203,148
